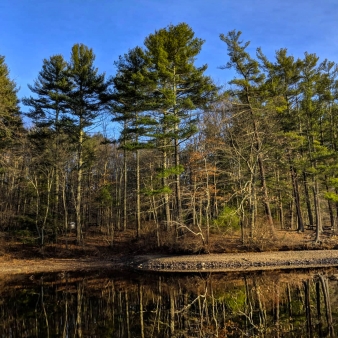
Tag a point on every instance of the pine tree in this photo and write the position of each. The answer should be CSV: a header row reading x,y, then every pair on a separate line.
x,y
327,88
131,100
282,84
51,88
48,111
248,90
309,114
10,117
181,89
11,138
86,100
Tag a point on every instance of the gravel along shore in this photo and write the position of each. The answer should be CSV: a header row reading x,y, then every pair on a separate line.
x,y
240,261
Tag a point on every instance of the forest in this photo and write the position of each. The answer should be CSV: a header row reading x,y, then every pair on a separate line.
x,y
192,158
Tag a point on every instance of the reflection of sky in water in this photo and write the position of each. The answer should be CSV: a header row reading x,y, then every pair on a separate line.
x,y
297,304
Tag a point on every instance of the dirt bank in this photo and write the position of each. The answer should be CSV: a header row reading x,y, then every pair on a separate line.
x,y
193,263
241,261
32,266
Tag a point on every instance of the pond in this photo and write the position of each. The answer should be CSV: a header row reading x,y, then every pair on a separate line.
x,y
301,303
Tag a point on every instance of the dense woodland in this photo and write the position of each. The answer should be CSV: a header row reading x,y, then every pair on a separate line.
x,y
192,157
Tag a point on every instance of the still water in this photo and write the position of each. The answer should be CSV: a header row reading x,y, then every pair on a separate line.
x,y
125,304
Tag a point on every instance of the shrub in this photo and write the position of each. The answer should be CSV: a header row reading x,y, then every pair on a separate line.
x,y
227,219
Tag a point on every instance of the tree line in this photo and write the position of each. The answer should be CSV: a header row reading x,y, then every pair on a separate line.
x,y
191,157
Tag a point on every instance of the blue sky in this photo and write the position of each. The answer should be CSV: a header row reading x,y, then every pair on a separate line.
x,y
32,30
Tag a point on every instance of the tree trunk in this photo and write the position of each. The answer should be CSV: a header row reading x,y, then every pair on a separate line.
x,y
265,194
319,227
252,203
307,199
330,206
78,200
295,188
166,194
125,178
178,185
56,198
179,218
207,209
261,167
138,196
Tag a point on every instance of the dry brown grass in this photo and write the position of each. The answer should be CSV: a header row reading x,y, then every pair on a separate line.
x,y
96,245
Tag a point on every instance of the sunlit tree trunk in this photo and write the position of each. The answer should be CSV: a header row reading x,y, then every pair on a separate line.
x,y
295,188
166,194
78,199
307,199
125,189
138,194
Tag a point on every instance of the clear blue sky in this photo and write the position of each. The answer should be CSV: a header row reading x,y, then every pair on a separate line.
x,y
32,30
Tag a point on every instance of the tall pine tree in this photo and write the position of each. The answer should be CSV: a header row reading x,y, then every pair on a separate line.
x,y
10,117
182,88
248,90
131,100
86,100
48,111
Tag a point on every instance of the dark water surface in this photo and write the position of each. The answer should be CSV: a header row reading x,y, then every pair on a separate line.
x,y
116,304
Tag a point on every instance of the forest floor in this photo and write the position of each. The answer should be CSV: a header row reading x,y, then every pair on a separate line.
x,y
288,249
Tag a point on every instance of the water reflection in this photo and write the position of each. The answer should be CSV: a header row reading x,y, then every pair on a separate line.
x,y
294,304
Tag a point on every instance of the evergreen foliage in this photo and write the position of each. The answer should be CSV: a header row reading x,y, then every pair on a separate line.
x,y
10,117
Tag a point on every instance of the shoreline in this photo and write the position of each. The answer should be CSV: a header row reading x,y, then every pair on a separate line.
x,y
237,262
227,262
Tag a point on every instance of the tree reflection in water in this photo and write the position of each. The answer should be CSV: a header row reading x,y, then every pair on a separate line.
x,y
269,304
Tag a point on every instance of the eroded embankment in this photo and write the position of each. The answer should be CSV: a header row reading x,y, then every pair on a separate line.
x,y
240,261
